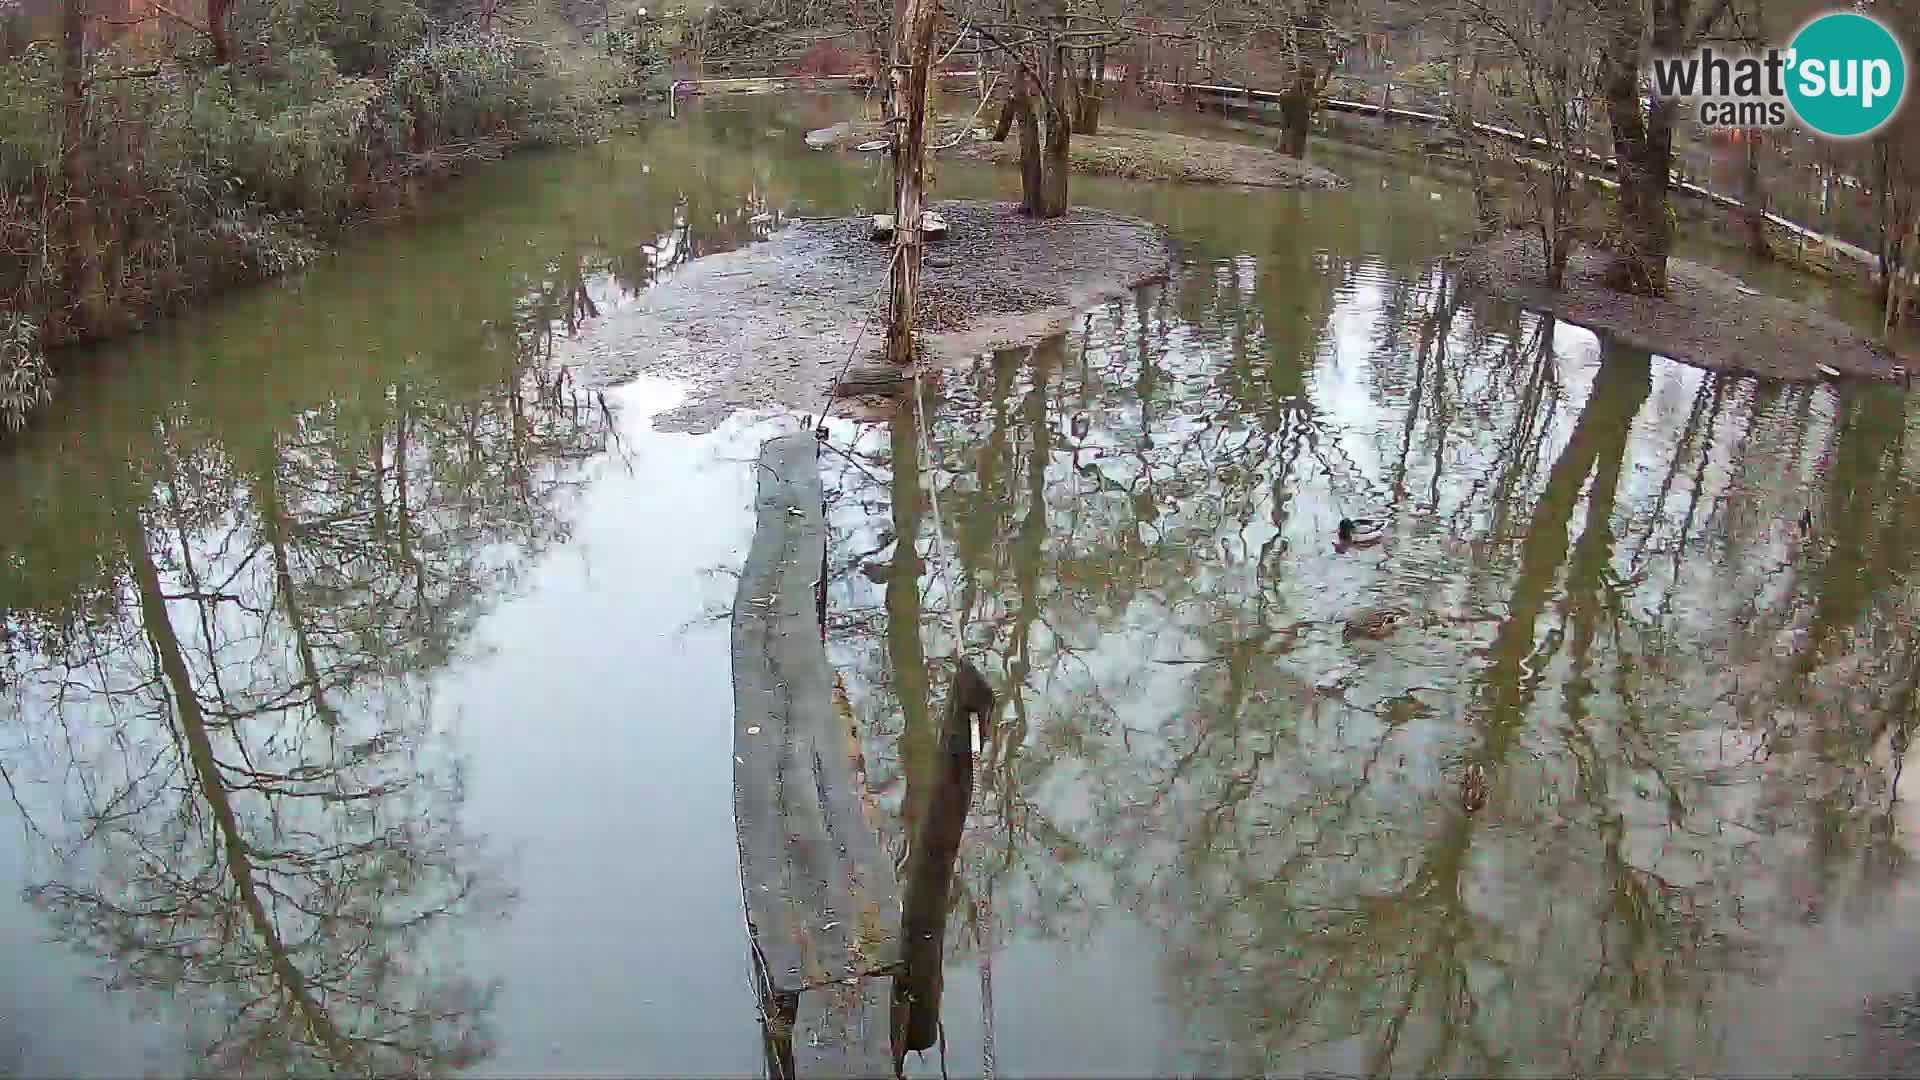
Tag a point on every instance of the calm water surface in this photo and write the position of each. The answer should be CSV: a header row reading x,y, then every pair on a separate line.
x,y
366,700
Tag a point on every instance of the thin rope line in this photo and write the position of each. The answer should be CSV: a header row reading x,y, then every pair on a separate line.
x,y
983,944
833,389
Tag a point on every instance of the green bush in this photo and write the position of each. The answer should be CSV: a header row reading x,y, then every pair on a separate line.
x,y
1432,75
364,37
29,125
25,381
636,48
202,176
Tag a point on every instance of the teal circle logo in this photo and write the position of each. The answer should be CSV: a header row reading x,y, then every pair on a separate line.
x,y
1847,75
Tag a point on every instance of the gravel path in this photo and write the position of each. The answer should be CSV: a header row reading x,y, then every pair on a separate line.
x,y
1707,319
773,324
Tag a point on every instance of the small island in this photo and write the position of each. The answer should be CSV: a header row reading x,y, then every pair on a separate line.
x,y
800,317
1707,318
1128,153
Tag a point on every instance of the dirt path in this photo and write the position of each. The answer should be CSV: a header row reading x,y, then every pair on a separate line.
x,y
1708,318
773,324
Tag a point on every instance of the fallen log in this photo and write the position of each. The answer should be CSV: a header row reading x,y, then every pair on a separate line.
x,y
822,903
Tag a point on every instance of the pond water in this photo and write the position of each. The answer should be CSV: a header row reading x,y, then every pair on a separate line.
x,y
366,701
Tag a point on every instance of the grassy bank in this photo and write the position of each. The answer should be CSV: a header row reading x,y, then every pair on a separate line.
x,y
147,172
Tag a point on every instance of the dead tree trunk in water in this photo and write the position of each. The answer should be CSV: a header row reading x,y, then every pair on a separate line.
x,y
932,860
913,52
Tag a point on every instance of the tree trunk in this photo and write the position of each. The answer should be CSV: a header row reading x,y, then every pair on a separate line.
x,y
914,49
1643,145
1009,109
1053,179
1092,90
76,226
1465,98
217,29
1016,94
1755,198
1296,114
1030,165
1894,276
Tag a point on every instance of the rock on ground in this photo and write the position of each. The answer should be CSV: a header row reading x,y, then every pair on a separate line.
x,y
1707,319
776,323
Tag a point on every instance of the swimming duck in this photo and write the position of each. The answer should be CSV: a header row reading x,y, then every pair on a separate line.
x,y
1375,623
1361,532
1473,789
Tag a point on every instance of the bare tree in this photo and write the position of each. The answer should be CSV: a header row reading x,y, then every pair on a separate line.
x,y
1643,128
1463,108
75,219
1310,48
1552,45
906,112
1895,159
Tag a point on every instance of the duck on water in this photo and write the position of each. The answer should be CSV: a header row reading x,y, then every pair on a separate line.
x,y
1360,532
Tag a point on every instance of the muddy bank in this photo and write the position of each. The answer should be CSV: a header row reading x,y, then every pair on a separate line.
x,y
1708,318
1128,153
773,324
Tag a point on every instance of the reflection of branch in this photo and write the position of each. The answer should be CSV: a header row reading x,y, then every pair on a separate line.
x,y
26,819
212,787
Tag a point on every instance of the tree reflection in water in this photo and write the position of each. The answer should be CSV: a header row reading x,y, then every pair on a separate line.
x,y
1690,717
254,811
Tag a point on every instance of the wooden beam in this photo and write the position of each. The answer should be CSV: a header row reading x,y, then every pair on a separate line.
x,y
822,902
842,1031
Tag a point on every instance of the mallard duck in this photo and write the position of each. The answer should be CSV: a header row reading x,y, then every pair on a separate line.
x,y
1376,623
1361,532
1473,789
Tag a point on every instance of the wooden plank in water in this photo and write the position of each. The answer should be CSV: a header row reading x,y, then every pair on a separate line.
x,y
842,1030
822,901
